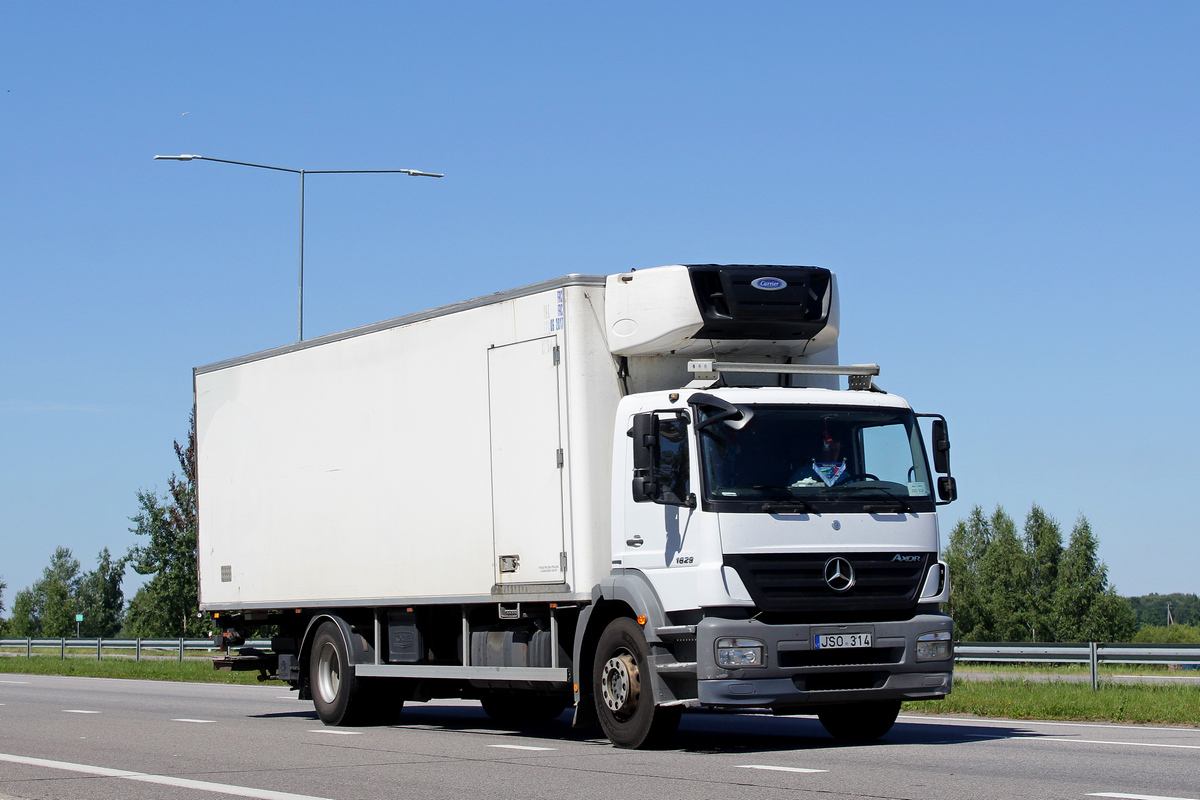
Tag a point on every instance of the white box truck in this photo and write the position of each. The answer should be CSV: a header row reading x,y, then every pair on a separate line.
x,y
631,494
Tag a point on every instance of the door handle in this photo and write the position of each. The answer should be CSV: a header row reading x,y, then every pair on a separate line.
x,y
635,541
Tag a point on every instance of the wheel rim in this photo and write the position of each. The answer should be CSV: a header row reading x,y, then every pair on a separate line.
x,y
620,685
329,679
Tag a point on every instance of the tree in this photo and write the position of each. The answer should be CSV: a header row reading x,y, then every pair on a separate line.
x,y
1009,588
100,598
1004,570
168,604
48,608
968,542
1086,608
3,623
1043,542
24,622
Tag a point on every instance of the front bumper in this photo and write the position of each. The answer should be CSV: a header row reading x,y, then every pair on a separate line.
x,y
796,675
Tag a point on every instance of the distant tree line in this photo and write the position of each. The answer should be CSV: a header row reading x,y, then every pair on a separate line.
x,y
1010,586
166,605
1151,609
48,608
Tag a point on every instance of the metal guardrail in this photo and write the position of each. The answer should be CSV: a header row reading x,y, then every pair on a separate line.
x,y
1091,653
138,646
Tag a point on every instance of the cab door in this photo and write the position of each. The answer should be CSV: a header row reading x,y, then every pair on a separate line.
x,y
656,532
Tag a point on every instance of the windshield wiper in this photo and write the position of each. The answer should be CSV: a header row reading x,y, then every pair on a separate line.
x,y
904,504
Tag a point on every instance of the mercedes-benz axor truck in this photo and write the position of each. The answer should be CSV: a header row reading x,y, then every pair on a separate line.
x,y
630,494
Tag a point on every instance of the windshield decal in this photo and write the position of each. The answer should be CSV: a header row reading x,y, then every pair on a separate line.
x,y
829,472
917,488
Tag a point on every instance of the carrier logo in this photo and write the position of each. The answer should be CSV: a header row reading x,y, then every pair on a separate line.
x,y
839,575
769,284
902,557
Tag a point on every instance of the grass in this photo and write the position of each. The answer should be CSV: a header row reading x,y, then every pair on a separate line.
x,y
194,670
1016,698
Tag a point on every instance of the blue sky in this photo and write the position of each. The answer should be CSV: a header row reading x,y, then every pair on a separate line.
x,y
1008,193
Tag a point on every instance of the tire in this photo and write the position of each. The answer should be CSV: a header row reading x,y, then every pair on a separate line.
x,y
622,691
341,699
519,709
860,722
385,699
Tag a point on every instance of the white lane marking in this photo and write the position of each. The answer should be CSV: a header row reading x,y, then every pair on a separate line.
x,y
1130,744
1137,796
78,711
164,780
520,747
987,723
1085,741
185,719
779,769
15,682
334,731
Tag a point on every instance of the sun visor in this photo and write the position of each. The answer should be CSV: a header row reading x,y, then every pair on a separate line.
x,y
715,309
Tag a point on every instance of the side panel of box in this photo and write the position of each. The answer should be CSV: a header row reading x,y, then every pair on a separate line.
x,y
357,469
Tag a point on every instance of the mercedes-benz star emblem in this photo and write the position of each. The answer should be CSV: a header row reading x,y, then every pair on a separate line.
x,y
839,575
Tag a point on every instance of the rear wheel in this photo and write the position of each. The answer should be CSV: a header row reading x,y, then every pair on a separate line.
x,y
623,693
340,697
859,721
515,708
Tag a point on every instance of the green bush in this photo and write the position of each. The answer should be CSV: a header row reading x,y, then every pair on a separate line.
x,y
1175,634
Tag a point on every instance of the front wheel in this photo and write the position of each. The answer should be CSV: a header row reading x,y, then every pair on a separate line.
x,y
860,721
622,691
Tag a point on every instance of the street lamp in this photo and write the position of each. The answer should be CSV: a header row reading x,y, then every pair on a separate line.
x,y
302,172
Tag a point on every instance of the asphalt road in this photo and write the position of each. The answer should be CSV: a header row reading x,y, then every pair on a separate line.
x,y
66,738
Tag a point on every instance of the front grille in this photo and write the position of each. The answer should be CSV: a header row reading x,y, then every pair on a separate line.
x,y
795,582
841,658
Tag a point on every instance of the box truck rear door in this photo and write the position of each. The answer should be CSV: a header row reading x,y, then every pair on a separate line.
x,y
527,503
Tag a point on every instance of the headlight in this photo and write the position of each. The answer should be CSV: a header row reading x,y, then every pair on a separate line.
x,y
740,653
934,646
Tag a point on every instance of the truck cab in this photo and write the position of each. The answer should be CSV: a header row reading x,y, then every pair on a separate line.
x,y
795,530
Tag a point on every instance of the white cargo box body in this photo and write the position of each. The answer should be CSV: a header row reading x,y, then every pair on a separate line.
x,y
407,460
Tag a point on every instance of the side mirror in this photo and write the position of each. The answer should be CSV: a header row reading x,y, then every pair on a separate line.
x,y
645,441
941,447
947,488
644,490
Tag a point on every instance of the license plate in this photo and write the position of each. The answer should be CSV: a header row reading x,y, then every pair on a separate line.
x,y
830,641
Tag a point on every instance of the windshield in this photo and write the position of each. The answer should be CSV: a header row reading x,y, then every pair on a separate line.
x,y
808,455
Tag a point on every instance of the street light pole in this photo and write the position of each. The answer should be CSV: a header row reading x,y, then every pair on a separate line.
x,y
302,172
